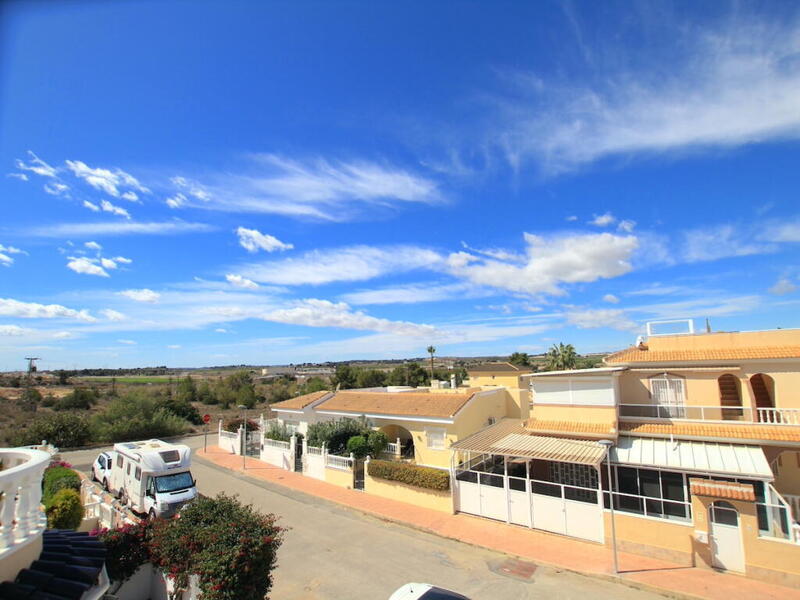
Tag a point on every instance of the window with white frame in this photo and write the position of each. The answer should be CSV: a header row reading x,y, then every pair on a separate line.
x,y
669,395
435,437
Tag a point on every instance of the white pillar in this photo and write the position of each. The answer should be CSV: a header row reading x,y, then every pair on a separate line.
x,y
7,514
399,451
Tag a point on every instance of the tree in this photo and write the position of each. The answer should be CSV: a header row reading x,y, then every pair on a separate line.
x,y
561,357
205,395
431,351
30,399
520,359
78,399
187,391
416,375
64,430
63,377
314,384
345,377
368,378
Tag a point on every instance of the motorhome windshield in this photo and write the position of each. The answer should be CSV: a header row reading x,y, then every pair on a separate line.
x,y
177,481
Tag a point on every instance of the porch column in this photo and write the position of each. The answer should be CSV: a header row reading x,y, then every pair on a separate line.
x,y
507,488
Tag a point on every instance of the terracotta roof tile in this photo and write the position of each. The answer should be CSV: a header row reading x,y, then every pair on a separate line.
x,y
635,355
570,428
722,489
300,402
401,404
747,431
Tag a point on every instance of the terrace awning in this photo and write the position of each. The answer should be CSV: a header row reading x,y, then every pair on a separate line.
x,y
733,460
508,438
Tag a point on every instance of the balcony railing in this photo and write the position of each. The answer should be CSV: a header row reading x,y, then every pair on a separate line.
x,y
741,414
21,515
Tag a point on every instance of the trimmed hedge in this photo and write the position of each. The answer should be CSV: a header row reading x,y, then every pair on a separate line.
x,y
65,510
422,477
58,478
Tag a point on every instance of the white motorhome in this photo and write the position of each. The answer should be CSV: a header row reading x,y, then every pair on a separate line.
x,y
152,476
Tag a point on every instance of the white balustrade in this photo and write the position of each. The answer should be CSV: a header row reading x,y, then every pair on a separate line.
x,y
276,444
339,462
718,413
21,514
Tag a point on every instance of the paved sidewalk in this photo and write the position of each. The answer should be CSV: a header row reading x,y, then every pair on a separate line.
x,y
552,550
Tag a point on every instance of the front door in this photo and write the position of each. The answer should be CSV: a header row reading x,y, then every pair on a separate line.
x,y
725,537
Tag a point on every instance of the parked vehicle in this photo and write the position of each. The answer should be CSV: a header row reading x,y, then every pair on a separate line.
x,y
152,477
424,591
101,468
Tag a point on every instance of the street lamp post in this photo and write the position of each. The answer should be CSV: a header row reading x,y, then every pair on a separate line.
x,y
243,408
608,444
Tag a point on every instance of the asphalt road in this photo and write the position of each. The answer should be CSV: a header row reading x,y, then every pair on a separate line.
x,y
333,553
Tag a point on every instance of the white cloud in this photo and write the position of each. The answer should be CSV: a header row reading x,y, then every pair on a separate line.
x,y
93,246
6,260
721,241
611,299
572,218
626,225
91,206
551,262
113,315
123,260
114,209
107,263
710,92
603,220
20,176
413,294
253,240
176,201
323,313
63,335
354,263
782,287
127,342
174,346
320,189
117,228
55,188
787,231
86,266
33,310
5,254
242,282
36,165
143,295
130,196
594,318
12,330
191,187
221,330
106,180
11,250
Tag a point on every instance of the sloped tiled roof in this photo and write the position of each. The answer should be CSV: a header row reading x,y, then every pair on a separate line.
x,y
573,428
745,431
635,355
300,402
442,405
501,367
722,489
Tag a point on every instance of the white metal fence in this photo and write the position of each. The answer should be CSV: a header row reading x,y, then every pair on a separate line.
x,y
744,414
344,463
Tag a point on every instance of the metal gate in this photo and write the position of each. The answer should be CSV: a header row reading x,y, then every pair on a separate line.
x,y
358,474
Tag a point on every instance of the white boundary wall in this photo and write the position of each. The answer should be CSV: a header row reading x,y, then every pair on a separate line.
x,y
228,441
314,461
280,454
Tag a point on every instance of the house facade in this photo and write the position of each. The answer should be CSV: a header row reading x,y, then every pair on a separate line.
x,y
701,436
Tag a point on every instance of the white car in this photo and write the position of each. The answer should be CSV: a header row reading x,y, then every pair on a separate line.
x,y
424,591
101,468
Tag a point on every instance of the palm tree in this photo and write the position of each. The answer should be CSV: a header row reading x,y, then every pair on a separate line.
x,y
561,357
431,351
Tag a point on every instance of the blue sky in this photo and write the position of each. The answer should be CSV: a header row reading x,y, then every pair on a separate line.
x,y
203,183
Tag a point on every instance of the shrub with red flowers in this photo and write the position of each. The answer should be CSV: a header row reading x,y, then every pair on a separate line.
x,y
228,545
126,547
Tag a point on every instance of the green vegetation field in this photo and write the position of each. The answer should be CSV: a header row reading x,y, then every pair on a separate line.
x,y
128,380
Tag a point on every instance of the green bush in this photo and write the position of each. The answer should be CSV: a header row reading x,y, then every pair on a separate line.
x,y
136,416
181,408
78,399
276,431
65,510
56,479
233,425
230,546
422,477
357,445
63,430
335,434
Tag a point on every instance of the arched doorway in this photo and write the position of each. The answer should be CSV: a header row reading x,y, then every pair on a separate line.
x,y
730,397
725,537
406,439
764,394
